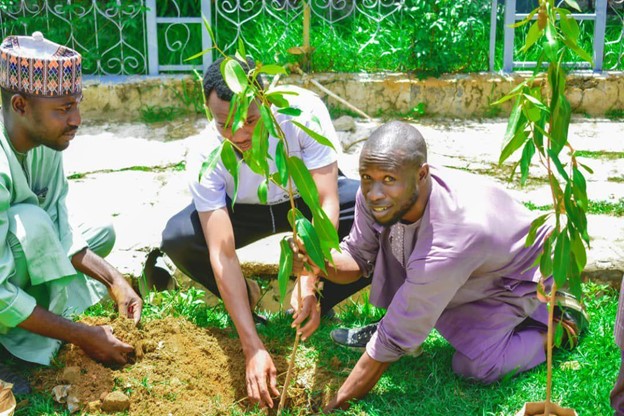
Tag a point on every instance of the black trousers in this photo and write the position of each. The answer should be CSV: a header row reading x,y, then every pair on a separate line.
x,y
183,239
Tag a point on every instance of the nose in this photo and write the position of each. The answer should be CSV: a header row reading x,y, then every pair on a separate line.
x,y
74,119
243,134
374,192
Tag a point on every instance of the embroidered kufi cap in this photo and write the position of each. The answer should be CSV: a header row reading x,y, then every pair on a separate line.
x,y
37,66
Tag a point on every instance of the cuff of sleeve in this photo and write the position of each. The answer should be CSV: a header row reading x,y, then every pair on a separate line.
x,y
18,310
380,352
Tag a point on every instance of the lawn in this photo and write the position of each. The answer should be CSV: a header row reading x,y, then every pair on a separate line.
x,y
423,385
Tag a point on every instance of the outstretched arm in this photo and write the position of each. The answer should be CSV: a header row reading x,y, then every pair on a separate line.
x,y
260,370
362,379
128,302
97,341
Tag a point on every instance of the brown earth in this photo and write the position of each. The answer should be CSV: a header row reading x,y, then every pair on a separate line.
x,y
178,369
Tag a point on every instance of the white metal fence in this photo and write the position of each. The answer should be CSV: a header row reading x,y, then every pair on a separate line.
x,y
155,36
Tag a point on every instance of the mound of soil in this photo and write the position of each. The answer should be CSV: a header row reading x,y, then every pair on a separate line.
x,y
178,368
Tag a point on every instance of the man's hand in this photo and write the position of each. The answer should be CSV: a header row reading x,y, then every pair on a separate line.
x,y
259,370
128,302
310,310
100,344
301,259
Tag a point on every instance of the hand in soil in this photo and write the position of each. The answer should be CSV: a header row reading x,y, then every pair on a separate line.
x,y
310,312
128,302
260,369
101,345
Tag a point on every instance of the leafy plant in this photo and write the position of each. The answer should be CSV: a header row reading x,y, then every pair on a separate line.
x,y
538,125
320,236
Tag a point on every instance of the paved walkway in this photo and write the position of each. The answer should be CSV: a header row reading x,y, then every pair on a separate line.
x,y
132,175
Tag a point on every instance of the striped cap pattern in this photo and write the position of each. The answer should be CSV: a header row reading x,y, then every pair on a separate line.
x,y
36,66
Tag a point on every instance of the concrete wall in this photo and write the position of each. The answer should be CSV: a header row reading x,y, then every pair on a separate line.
x,y
463,95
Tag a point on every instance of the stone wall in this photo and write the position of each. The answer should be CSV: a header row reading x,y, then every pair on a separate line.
x,y
463,95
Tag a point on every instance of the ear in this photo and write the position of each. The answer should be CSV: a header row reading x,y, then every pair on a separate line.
x,y
423,172
19,104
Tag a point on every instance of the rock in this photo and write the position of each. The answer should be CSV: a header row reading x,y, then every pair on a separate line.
x,y
71,375
344,123
60,392
115,401
94,406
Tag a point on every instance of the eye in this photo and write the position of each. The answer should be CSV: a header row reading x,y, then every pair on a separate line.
x,y
389,179
364,177
251,120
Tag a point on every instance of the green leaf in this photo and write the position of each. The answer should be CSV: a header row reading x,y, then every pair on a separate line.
x,y
569,25
537,102
558,165
307,233
277,99
209,30
211,161
546,265
525,161
268,121
558,335
512,128
257,160
241,49
327,234
587,168
197,55
228,156
551,45
580,188
560,124
316,136
305,184
516,142
578,249
533,36
578,50
525,20
285,268
573,4
263,190
272,69
281,162
561,261
535,225
290,111
234,75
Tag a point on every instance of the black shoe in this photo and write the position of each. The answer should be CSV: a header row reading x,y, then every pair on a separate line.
x,y
20,384
355,338
156,275
572,317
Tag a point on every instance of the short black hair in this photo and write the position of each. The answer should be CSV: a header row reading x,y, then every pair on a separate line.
x,y
400,139
213,79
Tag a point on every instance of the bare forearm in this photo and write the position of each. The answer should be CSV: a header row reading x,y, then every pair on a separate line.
x,y
344,270
92,265
47,324
362,379
233,290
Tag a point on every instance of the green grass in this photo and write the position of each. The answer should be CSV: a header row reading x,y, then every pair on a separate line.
x,y
615,209
423,385
180,166
603,154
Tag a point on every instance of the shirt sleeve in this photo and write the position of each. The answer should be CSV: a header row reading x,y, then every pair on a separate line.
x,y
15,304
209,191
70,236
362,243
314,154
430,285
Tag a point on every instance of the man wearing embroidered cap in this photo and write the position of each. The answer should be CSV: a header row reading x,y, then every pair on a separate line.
x,y
48,269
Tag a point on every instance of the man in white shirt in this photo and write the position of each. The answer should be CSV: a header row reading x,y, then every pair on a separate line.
x,y
202,238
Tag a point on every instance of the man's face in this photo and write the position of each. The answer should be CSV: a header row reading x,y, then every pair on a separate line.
x,y
220,110
54,121
390,186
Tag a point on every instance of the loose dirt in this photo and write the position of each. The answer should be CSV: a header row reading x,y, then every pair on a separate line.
x,y
177,368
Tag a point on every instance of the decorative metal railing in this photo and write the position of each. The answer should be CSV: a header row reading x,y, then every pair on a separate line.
x,y
123,37
114,43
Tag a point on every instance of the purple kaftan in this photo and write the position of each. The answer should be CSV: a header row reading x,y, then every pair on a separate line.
x,y
469,275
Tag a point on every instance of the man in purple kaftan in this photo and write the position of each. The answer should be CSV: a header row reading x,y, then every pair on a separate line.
x,y
447,251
